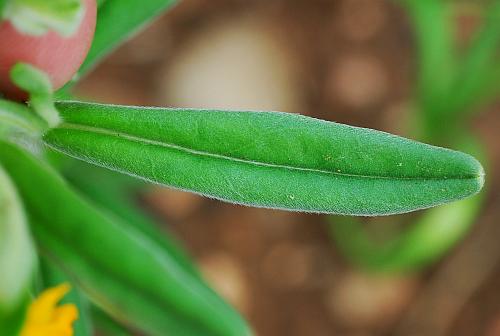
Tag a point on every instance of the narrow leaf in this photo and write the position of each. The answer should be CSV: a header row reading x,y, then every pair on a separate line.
x,y
106,325
114,192
121,270
419,240
478,79
2,6
437,60
117,20
267,159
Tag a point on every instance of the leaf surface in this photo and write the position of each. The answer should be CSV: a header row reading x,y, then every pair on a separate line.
x,y
267,159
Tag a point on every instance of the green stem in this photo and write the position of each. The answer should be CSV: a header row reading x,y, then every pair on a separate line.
x,y
478,78
433,27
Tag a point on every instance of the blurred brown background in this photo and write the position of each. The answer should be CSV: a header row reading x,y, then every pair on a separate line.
x,y
351,61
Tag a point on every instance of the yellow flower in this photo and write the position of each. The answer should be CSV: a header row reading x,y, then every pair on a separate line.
x,y
45,318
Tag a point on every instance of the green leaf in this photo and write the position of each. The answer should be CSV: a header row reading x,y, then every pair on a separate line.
x,y
114,192
117,20
106,325
12,321
37,17
17,258
121,270
100,3
267,159
2,6
419,240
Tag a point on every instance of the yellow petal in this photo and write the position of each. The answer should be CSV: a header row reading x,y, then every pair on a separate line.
x,y
42,309
45,318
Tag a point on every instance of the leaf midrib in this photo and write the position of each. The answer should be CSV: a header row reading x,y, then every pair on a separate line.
x,y
134,138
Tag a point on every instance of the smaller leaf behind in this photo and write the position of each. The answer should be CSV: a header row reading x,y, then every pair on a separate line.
x,y
267,159
478,78
121,270
115,192
437,62
2,6
106,325
117,20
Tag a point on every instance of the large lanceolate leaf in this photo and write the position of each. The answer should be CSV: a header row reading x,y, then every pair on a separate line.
x,y
267,159
418,241
117,20
121,270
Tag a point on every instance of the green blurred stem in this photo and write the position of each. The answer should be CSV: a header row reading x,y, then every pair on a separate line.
x,y
114,192
2,6
478,77
100,3
433,29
